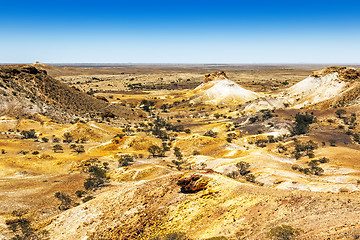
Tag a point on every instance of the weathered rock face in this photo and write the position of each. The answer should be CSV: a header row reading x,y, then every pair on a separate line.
x,y
215,76
192,183
31,90
346,74
330,87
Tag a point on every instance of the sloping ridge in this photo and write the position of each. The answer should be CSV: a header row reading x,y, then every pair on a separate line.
x,y
33,90
221,90
332,86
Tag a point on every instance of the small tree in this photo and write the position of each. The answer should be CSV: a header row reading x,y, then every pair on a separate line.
x,y
93,182
97,176
68,138
79,149
179,161
210,133
155,150
65,200
177,153
243,168
125,160
21,227
302,123
58,148
29,134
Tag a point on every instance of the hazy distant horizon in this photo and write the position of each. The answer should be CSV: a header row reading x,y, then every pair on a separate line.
x,y
89,64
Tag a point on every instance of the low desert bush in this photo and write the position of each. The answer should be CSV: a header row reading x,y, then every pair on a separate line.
x,y
283,232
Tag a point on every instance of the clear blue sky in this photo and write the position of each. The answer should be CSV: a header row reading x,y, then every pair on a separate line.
x,y
180,31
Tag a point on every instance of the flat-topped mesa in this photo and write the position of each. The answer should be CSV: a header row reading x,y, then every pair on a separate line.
x,y
346,74
215,76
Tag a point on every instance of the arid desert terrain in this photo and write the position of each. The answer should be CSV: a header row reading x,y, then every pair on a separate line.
x,y
179,152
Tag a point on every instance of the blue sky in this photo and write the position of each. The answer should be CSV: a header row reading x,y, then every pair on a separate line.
x,y
180,31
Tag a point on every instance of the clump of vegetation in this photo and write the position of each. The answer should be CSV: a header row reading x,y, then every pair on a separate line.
x,y
196,152
87,198
302,123
79,149
230,136
262,116
125,160
242,170
283,232
58,148
31,134
178,162
173,236
147,105
97,176
356,137
155,150
80,193
21,228
68,138
302,149
340,112
210,133
313,168
65,199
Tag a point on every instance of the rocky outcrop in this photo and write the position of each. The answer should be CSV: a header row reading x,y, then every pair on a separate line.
x,y
217,89
191,183
346,74
215,76
330,87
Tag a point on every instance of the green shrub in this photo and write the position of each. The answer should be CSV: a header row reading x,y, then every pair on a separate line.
x,y
92,183
21,228
65,199
243,168
125,160
68,138
302,123
79,193
79,149
250,178
87,198
29,134
210,133
97,176
155,150
283,232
